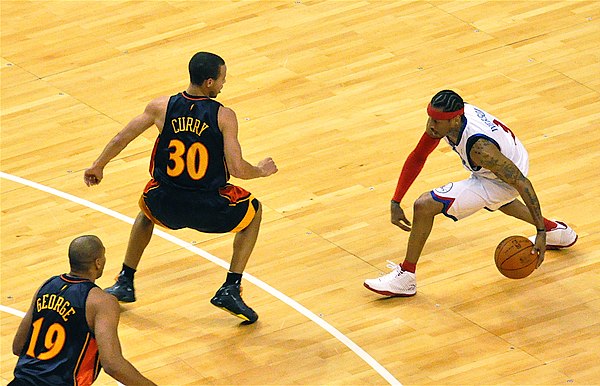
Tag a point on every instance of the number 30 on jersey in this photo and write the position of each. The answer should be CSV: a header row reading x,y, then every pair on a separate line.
x,y
194,160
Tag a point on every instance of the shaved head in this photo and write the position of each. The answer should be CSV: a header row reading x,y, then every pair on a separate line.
x,y
83,252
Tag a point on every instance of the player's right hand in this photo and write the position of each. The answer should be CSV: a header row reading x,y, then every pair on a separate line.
x,y
398,217
539,247
267,167
92,176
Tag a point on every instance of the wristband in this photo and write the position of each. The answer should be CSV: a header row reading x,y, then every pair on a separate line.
x,y
541,230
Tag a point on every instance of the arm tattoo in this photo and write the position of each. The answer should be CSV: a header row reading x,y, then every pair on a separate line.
x,y
488,156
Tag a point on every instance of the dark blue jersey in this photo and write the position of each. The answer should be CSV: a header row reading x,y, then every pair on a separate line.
x,y
189,151
60,348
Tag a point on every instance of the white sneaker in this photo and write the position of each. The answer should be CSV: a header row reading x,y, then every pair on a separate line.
x,y
395,283
560,237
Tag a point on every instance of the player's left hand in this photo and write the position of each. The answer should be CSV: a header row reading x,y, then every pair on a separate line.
x,y
398,217
92,176
267,167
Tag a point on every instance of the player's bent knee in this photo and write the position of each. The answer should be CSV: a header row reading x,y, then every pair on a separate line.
x,y
143,220
426,206
257,217
147,221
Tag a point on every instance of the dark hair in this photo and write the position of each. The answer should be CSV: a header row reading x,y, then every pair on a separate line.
x,y
83,251
447,101
203,66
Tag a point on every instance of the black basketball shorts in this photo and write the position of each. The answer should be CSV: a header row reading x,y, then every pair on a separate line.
x,y
229,209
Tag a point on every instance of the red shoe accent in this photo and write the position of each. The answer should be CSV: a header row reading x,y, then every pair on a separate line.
x,y
549,224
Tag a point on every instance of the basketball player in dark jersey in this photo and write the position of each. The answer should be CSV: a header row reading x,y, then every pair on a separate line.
x,y
70,331
196,151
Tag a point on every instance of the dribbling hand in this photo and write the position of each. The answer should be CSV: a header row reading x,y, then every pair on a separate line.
x,y
398,218
539,247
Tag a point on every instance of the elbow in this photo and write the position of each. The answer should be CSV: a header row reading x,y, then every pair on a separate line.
x,y
234,172
238,171
523,186
120,141
522,182
233,168
111,369
112,365
17,348
416,158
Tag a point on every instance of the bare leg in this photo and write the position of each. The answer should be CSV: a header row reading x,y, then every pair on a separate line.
x,y
228,297
425,209
140,236
244,242
518,210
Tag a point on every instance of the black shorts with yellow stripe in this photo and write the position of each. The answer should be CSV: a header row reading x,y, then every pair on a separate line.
x,y
230,209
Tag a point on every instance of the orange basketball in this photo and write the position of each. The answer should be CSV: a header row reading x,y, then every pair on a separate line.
x,y
513,257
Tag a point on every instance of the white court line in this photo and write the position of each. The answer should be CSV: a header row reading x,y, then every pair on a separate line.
x,y
259,283
12,311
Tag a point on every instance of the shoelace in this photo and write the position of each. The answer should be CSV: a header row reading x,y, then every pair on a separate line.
x,y
396,267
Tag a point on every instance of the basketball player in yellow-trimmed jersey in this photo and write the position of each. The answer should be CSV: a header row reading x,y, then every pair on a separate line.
x,y
196,151
70,331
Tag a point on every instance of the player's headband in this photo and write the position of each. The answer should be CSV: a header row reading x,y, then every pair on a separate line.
x,y
441,115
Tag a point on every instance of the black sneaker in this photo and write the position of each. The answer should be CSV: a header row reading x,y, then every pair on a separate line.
x,y
228,298
122,289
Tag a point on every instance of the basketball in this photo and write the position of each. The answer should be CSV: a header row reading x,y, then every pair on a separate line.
x,y
513,257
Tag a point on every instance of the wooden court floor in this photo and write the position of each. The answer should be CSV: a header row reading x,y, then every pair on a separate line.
x,y
335,92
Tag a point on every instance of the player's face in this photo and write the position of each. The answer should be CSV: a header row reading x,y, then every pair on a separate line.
x,y
101,261
439,128
217,84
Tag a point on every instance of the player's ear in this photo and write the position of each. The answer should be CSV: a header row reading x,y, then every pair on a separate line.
x,y
457,120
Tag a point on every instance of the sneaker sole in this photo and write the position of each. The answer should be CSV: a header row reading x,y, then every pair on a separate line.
x,y
555,247
241,316
121,300
388,293
125,300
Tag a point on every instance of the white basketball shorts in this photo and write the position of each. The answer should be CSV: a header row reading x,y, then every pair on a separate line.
x,y
463,198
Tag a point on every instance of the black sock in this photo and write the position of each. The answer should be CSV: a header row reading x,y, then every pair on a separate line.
x,y
233,278
128,272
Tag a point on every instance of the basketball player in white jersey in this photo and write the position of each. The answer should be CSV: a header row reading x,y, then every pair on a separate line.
x,y
498,163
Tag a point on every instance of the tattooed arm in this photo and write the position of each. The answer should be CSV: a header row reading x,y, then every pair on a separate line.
x,y
487,155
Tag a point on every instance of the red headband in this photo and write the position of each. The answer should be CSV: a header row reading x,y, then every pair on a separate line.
x,y
440,115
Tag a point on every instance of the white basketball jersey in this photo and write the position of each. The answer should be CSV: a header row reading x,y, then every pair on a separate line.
x,y
480,124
